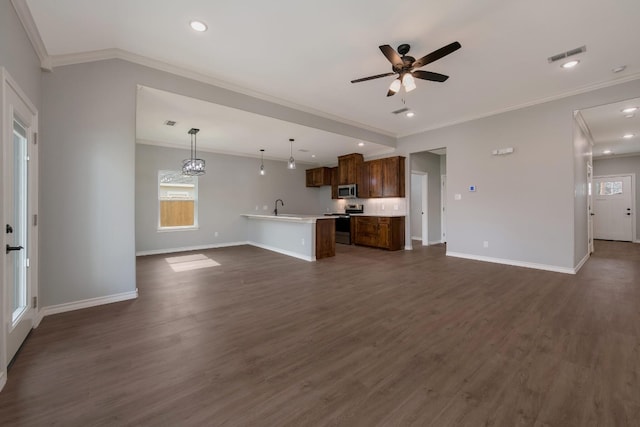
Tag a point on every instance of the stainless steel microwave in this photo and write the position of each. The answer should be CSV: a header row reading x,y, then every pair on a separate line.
x,y
348,191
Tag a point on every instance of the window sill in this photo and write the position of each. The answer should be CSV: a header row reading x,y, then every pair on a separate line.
x,y
171,229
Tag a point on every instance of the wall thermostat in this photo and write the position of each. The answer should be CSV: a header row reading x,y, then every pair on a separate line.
x,y
472,188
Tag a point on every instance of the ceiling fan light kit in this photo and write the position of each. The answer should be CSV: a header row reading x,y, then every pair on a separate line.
x,y
406,67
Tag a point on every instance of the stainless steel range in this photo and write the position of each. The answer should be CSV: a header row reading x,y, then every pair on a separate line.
x,y
343,223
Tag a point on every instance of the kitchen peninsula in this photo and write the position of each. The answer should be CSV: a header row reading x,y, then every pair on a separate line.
x,y
308,237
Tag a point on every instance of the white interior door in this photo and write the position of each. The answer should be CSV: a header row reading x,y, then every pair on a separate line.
x,y
18,134
613,209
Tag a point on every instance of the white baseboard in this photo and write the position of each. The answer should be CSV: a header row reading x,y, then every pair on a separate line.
x,y
3,379
581,263
546,267
189,248
435,242
416,238
91,302
282,251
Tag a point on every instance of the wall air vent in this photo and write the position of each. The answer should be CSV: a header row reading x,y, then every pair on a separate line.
x,y
400,111
170,123
567,54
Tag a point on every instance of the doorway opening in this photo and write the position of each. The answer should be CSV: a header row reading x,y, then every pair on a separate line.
x,y
427,195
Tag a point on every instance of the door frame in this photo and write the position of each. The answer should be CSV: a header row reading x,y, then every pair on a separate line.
x,y
8,83
424,205
443,210
634,235
590,245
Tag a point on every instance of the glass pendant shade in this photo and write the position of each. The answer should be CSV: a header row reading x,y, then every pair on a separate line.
x,y
292,162
395,86
408,82
193,166
262,172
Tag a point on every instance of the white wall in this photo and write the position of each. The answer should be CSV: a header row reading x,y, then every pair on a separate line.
x,y
524,205
232,186
621,165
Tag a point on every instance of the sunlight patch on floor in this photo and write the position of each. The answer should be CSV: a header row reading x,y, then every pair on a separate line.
x,y
190,262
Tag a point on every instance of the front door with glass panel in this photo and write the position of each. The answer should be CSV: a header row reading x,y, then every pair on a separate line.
x,y
612,208
19,313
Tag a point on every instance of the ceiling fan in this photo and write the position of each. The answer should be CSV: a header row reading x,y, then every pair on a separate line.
x,y
405,67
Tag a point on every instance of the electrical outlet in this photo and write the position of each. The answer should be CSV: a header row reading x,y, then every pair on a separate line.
x,y
215,234
302,242
257,207
382,207
485,244
395,207
265,207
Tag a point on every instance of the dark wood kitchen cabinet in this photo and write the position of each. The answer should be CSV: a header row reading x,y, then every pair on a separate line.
x,y
378,231
349,168
334,182
318,177
383,178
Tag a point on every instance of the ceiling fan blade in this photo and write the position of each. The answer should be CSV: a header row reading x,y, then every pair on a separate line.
x,y
391,55
437,54
364,79
428,75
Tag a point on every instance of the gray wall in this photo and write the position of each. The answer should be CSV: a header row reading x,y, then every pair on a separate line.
x,y
430,163
17,54
232,186
581,157
621,165
524,205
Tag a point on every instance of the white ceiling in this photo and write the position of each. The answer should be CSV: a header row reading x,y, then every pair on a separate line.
x,y
607,124
232,131
305,53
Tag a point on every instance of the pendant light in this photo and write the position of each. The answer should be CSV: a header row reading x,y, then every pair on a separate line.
x,y
193,166
292,161
262,161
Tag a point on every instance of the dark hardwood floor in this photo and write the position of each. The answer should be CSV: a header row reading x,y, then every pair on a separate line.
x,y
365,338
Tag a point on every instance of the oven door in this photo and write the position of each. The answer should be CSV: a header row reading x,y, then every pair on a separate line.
x,y
343,230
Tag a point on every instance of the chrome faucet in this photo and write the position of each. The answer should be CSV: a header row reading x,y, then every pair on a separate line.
x,y
275,211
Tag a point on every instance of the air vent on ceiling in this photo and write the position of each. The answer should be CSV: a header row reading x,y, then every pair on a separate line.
x,y
303,150
567,54
400,111
170,123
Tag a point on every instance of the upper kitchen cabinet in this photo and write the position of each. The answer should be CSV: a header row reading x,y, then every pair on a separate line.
x,y
393,177
383,178
335,177
318,177
349,168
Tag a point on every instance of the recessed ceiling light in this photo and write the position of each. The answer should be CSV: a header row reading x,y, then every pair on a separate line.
x,y
606,152
630,110
198,26
628,135
619,69
313,155
629,116
570,64
360,144
410,114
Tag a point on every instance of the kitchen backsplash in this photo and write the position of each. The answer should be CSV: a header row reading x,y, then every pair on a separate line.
x,y
390,205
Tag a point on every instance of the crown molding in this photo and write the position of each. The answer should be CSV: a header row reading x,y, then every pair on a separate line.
x,y
583,89
29,25
115,53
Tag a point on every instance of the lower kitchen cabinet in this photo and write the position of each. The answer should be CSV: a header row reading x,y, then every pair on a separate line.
x,y
378,231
